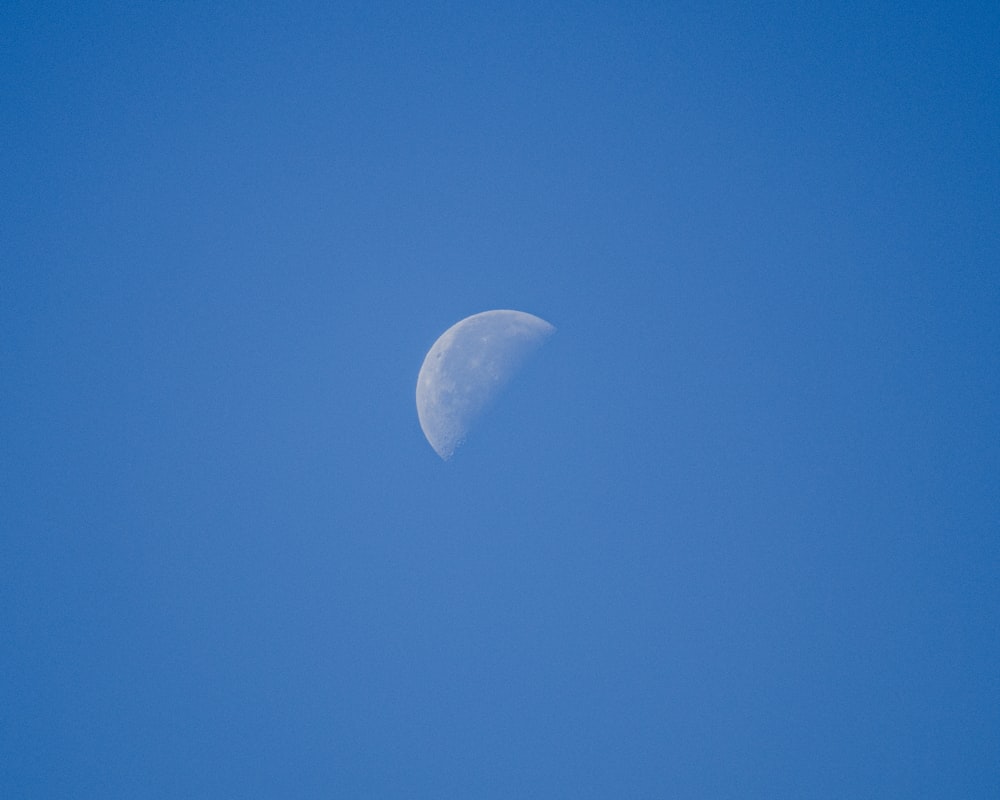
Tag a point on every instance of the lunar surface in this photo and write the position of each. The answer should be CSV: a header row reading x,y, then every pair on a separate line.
x,y
466,368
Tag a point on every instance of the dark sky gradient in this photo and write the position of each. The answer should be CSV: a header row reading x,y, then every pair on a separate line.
x,y
734,532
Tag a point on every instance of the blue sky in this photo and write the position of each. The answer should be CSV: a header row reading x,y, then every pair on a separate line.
x,y
733,532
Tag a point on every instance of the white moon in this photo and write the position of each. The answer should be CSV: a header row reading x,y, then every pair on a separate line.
x,y
467,367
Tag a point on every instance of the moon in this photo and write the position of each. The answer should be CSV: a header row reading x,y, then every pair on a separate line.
x,y
467,367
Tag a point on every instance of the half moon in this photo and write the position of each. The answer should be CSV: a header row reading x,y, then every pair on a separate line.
x,y
467,367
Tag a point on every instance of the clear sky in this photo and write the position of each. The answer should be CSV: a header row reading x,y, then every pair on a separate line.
x,y
733,532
